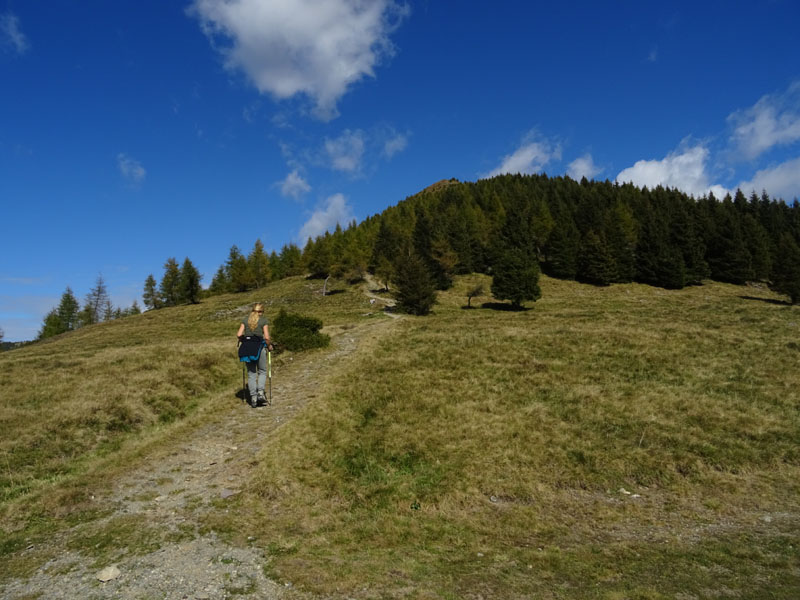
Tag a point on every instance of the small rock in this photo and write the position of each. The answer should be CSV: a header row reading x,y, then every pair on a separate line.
x,y
480,554
767,519
226,493
108,573
635,496
624,491
493,498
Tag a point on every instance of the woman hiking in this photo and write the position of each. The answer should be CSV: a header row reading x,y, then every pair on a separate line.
x,y
256,325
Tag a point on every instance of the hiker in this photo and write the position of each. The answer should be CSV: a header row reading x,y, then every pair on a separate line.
x,y
256,325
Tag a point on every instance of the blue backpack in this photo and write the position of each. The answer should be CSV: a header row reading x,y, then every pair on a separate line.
x,y
250,348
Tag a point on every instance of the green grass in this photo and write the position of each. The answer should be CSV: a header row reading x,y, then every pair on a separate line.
x,y
484,452
78,409
475,453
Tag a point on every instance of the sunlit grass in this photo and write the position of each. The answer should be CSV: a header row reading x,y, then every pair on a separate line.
x,y
485,451
621,442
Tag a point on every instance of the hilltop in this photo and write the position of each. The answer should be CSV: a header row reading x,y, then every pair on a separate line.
x,y
622,441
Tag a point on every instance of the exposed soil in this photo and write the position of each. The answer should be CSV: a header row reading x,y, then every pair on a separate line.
x,y
166,496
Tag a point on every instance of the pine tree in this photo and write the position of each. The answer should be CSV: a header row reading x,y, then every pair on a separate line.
x,y
258,266
95,303
595,263
786,270
236,270
515,266
189,289
52,326
220,283
68,310
414,288
134,309
150,297
291,260
561,251
168,290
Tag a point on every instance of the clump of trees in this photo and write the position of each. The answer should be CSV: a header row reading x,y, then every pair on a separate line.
x,y
179,285
97,308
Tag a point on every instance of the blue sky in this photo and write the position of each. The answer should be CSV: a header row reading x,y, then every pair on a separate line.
x,y
131,132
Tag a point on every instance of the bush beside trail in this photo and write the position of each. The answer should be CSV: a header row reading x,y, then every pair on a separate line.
x,y
296,332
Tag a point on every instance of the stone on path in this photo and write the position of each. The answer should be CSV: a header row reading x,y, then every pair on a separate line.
x,y
108,573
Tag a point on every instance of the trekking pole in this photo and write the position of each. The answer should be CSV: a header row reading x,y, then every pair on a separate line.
x,y
269,372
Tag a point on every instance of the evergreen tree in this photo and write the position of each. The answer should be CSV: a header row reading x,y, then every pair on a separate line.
x,y
515,267
318,256
414,288
169,290
220,283
258,266
291,260
786,270
728,256
595,263
189,289
68,310
108,310
95,303
150,296
52,326
134,309
515,276
620,235
236,271
561,251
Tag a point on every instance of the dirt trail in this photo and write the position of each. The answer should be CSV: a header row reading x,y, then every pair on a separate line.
x,y
168,493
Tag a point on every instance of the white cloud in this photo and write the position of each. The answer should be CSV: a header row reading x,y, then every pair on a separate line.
x,y
335,210
583,167
529,158
774,120
11,35
131,169
782,181
346,151
683,169
294,185
394,145
314,47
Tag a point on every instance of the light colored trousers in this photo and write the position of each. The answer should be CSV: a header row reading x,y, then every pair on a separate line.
x,y
257,374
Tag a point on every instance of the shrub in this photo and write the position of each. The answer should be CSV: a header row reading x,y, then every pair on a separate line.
x,y
296,332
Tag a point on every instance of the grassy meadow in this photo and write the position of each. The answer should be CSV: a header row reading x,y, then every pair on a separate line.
x,y
620,442
70,404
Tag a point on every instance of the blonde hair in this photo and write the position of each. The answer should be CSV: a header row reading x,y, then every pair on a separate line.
x,y
252,320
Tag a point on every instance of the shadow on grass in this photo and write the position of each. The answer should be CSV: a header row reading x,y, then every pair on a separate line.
x,y
242,394
503,306
334,292
767,300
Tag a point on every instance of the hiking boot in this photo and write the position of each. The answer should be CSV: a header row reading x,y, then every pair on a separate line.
x,y
252,401
261,398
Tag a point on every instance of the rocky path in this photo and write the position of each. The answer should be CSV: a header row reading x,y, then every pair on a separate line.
x,y
160,503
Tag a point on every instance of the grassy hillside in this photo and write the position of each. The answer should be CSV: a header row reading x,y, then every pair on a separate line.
x,y
78,398
622,442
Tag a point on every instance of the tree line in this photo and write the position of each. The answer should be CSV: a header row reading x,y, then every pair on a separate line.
x,y
513,226
510,227
97,308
